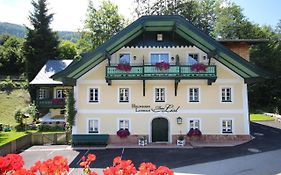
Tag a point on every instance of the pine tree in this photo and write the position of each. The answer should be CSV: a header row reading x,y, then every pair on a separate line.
x,y
70,110
41,42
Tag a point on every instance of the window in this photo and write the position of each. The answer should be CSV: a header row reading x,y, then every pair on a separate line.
x,y
123,95
192,58
159,57
93,95
43,93
195,124
124,124
59,93
226,95
93,126
159,37
226,126
159,94
193,94
124,58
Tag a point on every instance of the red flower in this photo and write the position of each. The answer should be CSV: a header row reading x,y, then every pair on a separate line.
x,y
124,67
147,168
199,67
162,65
162,170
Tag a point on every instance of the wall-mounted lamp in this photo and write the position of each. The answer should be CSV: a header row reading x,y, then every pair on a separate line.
x,y
179,120
172,58
134,57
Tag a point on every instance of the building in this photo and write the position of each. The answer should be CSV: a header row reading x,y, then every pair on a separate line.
x,y
158,78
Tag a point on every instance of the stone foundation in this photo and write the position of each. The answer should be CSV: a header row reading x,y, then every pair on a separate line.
x,y
215,138
131,139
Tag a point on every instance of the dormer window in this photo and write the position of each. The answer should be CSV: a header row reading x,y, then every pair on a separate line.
x,y
159,37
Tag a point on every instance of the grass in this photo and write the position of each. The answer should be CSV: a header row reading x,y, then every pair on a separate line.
x,y
260,117
10,102
6,137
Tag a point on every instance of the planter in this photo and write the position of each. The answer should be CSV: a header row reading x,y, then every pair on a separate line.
x,y
180,142
142,142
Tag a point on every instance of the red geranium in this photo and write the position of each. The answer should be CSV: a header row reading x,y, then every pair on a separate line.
x,y
199,67
162,65
124,67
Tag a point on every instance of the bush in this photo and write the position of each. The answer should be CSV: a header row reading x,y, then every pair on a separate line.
x,y
7,85
49,128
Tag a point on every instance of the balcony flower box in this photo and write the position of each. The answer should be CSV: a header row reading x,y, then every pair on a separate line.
x,y
123,133
199,67
57,101
194,134
162,65
123,67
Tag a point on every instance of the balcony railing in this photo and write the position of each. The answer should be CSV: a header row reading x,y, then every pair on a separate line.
x,y
50,103
152,72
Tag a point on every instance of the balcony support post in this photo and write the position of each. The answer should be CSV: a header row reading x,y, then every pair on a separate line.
x,y
176,86
143,88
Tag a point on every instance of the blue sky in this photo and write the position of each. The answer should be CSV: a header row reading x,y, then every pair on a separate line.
x,y
69,14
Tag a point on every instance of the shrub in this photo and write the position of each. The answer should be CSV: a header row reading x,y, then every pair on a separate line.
x,y
49,128
122,133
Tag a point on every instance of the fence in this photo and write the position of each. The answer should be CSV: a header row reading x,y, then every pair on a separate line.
x,y
27,141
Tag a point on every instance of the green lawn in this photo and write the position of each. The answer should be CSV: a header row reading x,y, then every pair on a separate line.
x,y
10,102
6,137
260,117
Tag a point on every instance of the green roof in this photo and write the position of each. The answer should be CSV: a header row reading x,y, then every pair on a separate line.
x,y
176,24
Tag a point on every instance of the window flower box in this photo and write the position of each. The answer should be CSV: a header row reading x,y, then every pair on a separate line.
x,y
123,67
194,134
199,67
57,101
123,133
162,65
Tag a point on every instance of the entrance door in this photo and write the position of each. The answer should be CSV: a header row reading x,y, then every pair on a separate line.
x,y
159,130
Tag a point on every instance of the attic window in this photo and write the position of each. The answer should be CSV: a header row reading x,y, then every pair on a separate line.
x,y
159,37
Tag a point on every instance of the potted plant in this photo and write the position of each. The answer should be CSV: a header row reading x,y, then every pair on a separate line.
x,y
180,140
198,67
194,134
123,133
142,141
124,67
162,65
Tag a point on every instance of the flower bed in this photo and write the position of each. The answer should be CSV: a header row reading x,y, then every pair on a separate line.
x,y
162,65
199,67
123,67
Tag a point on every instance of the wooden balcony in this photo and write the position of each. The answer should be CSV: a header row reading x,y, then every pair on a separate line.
x,y
50,103
146,72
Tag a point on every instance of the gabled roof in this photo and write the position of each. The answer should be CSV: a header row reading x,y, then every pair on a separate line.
x,y
176,24
49,69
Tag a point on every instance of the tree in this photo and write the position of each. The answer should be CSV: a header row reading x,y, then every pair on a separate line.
x,y
100,25
41,43
11,58
200,13
70,110
67,50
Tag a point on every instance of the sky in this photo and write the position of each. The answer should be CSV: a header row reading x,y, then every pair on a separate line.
x,y
70,14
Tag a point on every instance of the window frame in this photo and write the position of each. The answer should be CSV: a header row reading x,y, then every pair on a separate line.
x,y
165,94
45,96
89,98
231,94
119,124
159,53
62,93
226,127
193,53
129,95
98,125
189,97
124,53
193,119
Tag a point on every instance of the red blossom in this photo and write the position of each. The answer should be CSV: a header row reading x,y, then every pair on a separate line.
x,y
162,65
147,168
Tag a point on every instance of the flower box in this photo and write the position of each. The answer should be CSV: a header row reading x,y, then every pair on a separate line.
x,y
180,142
124,67
123,133
162,65
199,67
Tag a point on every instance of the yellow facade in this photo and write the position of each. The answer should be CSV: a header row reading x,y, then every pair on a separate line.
x,y
209,110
